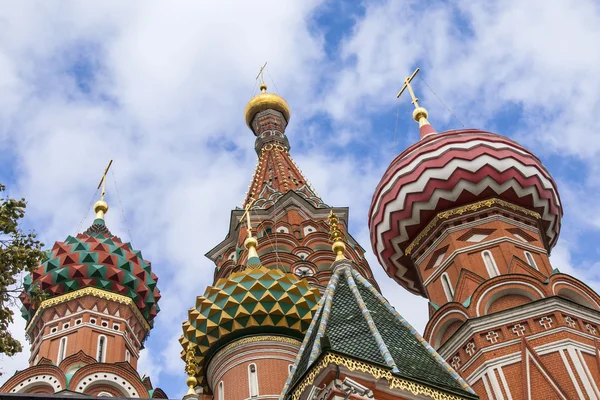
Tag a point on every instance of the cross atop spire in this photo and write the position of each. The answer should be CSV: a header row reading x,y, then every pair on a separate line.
x,y
261,73
101,206
420,114
407,85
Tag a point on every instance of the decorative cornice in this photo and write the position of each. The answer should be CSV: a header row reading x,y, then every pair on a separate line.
x,y
394,382
513,315
456,212
254,339
88,291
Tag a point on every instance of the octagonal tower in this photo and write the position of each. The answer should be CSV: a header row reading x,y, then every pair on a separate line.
x,y
244,333
467,219
99,302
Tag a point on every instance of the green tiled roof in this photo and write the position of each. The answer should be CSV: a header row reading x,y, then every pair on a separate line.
x,y
359,323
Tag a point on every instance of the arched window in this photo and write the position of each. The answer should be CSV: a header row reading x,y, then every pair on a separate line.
x,y
101,354
490,264
62,349
221,394
530,260
447,287
290,368
253,380
127,355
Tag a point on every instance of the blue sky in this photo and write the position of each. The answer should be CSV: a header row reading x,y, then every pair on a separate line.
x,y
160,88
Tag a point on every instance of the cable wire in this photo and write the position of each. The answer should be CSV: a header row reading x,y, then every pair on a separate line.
x,y
272,80
122,209
87,211
441,101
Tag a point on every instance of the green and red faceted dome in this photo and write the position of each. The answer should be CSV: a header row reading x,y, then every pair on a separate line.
x,y
94,258
448,170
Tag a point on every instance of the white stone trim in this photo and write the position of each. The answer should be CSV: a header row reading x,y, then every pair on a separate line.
x,y
588,373
516,356
504,383
467,225
578,289
529,356
216,370
494,383
478,246
104,348
488,390
506,317
581,372
108,378
562,353
128,342
46,379
441,318
513,282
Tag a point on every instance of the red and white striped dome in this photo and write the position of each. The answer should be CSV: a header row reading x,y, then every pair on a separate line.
x,y
447,170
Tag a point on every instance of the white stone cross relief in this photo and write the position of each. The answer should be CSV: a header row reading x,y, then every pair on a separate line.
x,y
492,337
518,329
455,362
470,349
570,322
590,328
546,322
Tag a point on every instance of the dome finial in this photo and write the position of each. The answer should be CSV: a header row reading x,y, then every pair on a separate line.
x,y
337,236
261,75
265,101
420,114
101,206
251,242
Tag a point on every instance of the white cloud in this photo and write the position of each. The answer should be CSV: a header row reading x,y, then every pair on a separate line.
x,y
168,83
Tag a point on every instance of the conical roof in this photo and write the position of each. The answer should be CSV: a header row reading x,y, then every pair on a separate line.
x,y
356,322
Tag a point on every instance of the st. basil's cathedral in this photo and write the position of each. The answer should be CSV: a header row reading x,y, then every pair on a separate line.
x,y
465,218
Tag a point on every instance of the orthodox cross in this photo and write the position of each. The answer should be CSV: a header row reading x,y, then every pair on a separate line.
x,y
262,78
247,215
103,180
407,82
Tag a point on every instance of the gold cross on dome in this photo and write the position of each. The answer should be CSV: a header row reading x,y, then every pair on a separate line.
x,y
247,215
260,75
103,180
407,81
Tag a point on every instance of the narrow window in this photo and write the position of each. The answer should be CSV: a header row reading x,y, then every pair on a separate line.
x,y
127,355
221,393
530,260
62,349
253,380
490,264
101,356
290,368
447,287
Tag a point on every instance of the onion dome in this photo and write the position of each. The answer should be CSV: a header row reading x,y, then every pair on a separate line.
x,y
94,258
257,299
449,170
266,101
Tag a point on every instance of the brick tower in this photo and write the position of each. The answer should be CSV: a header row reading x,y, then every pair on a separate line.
x,y
467,219
276,323
86,335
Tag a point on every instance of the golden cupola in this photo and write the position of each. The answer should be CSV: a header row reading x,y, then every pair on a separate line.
x,y
266,101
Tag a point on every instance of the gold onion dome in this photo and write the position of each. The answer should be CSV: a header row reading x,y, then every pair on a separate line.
x,y
255,300
266,101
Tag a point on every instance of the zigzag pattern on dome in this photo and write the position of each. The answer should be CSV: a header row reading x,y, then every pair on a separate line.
x,y
247,301
449,170
95,258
